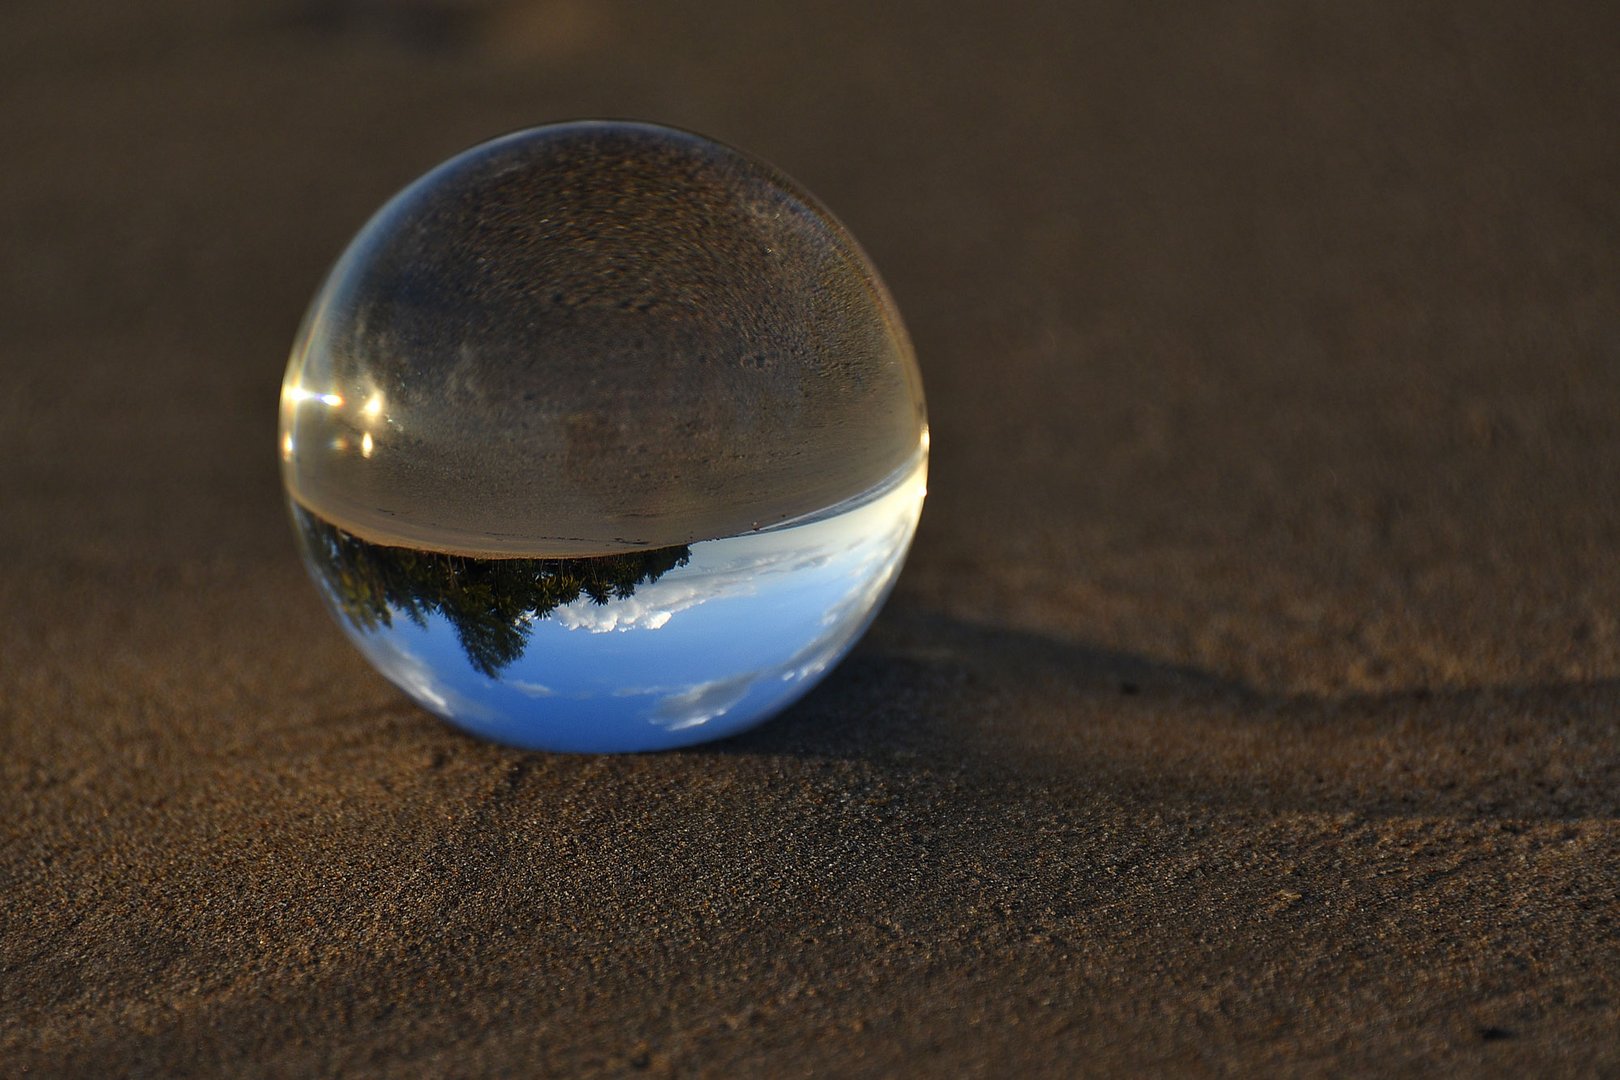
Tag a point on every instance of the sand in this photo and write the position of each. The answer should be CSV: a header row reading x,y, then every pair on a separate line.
x,y
1251,702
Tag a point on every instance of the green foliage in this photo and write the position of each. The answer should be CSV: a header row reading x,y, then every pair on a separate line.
x,y
491,603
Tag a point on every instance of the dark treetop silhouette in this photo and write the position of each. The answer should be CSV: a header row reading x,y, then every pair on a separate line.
x,y
490,602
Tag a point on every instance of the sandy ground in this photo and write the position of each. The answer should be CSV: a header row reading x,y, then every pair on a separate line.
x,y
1251,702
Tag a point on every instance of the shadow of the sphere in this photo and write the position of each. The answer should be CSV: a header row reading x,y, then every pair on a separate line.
x,y
931,693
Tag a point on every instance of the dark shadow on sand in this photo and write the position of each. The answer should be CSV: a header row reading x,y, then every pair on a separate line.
x,y
1009,705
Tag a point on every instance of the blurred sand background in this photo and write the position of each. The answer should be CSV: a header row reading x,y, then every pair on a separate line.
x,y
1251,701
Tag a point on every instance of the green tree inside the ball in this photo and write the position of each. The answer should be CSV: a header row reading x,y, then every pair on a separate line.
x,y
491,603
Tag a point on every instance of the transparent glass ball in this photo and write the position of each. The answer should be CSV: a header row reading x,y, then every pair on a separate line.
x,y
603,436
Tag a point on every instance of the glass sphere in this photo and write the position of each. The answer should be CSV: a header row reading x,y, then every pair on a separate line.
x,y
603,436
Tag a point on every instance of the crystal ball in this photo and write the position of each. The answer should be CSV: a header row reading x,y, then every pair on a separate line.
x,y
603,437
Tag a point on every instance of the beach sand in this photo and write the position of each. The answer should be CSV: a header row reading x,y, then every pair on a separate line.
x,y
1250,702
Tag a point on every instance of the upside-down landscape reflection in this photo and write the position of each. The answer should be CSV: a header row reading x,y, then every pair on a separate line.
x,y
603,436
643,650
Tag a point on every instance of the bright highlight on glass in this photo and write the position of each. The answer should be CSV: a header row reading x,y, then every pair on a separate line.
x,y
603,436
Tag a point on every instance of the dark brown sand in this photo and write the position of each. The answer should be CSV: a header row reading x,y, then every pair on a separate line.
x,y
1251,703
